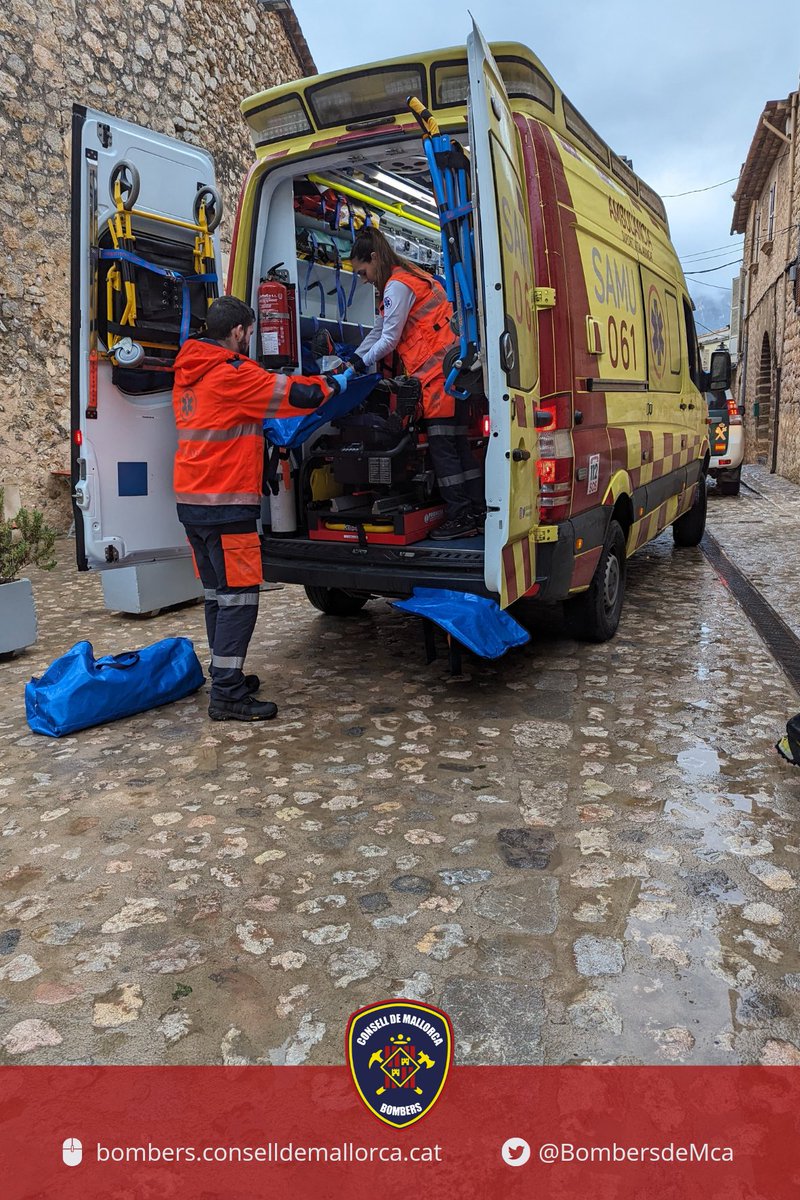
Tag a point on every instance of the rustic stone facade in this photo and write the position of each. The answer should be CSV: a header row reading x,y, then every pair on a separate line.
x,y
181,67
768,213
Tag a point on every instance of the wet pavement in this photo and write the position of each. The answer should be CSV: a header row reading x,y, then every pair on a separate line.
x,y
582,853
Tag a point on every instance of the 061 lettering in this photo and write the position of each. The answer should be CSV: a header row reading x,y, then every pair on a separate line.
x,y
621,343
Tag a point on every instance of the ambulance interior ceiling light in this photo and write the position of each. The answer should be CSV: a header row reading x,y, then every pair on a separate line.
x,y
400,185
366,180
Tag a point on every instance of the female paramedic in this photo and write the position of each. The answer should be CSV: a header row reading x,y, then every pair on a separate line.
x,y
415,321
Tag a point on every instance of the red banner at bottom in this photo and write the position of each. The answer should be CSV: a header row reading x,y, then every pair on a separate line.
x,y
494,1132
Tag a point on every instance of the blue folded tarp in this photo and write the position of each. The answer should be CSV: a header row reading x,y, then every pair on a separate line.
x,y
477,622
293,431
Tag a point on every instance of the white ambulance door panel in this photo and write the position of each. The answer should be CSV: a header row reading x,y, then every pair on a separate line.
x,y
123,430
505,268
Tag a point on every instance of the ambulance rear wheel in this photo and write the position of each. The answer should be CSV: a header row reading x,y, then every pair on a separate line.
x,y
688,530
594,615
334,602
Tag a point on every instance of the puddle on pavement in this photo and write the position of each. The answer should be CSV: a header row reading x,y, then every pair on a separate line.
x,y
701,760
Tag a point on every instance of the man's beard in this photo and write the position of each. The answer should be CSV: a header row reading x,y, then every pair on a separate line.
x,y
243,346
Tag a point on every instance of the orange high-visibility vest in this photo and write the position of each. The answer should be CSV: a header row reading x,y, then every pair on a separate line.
x,y
220,401
425,338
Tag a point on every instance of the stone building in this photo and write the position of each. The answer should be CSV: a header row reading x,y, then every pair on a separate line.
x,y
767,212
181,67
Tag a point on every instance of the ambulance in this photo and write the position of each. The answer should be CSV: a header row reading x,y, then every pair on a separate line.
x,y
584,395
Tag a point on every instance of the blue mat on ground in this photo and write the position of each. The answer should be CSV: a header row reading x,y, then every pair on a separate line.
x,y
476,621
293,431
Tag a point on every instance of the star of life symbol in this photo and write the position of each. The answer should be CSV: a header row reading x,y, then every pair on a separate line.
x,y
187,403
657,333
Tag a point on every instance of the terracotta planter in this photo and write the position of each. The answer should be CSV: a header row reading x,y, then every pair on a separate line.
x,y
17,616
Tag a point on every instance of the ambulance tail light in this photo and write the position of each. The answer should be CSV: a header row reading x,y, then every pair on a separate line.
x,y
734,416
486,426
555,488
78,437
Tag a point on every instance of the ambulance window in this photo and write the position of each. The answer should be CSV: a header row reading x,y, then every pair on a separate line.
x,y
691,344
584,132
673,317
366,95
450,85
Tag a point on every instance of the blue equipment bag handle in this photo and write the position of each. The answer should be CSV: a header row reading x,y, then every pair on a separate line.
x,y
114,661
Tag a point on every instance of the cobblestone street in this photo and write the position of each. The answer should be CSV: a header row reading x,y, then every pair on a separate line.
x,y
582,853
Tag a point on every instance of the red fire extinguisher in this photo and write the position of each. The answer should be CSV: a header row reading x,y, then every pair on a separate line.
x,y
277,320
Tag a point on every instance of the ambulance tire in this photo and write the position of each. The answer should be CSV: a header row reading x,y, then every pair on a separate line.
x,y
594,615
688,530
335,602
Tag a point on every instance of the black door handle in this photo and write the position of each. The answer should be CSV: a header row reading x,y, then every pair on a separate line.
x,y
520,455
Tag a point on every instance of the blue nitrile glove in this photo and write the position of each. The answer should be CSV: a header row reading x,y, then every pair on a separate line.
x,y
342,379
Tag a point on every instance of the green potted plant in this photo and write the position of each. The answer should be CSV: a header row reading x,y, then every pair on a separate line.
x,y
25,539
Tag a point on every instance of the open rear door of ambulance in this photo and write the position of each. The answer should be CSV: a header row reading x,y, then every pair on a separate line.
x,y
142,193
505,268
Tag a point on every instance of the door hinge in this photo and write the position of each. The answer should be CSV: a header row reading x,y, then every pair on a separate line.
x,y
545,533
544,297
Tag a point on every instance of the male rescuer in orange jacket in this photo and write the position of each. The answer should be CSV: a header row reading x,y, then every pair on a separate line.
x,y
221,398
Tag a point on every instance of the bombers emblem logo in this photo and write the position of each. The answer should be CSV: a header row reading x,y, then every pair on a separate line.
x,y
399,1054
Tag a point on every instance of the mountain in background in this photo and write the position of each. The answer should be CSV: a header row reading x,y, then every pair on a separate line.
x,y
712,309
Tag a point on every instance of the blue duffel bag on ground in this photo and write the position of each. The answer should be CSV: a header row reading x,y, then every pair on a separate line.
x,y
77,690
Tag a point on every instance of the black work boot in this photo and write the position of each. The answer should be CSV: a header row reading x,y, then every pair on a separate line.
x,y
458,527
251,682
246,709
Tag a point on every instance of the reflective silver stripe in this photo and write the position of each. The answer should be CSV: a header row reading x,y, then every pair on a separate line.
x,y
218,497
451,480
282,385
220,435
446,430
209,593
227,664
234,599
280,391
435,360
429,305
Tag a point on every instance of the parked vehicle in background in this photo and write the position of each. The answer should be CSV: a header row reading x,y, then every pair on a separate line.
x,y
726,441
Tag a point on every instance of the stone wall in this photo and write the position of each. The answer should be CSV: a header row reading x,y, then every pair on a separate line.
x,y
771,310
789,435
179,66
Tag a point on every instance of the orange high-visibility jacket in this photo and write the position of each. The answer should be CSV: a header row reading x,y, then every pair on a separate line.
x,y
425,338
220,401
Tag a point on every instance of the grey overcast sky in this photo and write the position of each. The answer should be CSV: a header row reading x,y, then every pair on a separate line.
x,y
677,86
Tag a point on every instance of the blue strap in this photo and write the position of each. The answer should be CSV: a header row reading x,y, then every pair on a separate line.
x,y
167,273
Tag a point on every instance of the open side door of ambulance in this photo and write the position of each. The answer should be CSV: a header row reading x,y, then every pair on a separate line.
x,y
153,198
505,266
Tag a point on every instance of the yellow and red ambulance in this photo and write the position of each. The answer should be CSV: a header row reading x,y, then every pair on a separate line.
x,y
589,422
